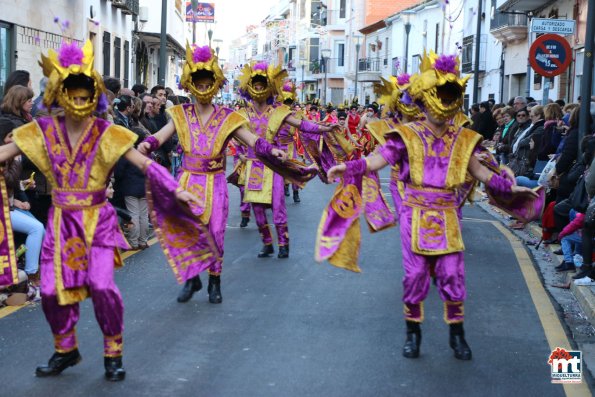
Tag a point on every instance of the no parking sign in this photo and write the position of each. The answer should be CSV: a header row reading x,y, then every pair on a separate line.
x,y
550,55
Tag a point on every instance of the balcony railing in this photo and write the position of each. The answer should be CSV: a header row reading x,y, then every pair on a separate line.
x,y
127,6
509,28
507,20
370,64
328,17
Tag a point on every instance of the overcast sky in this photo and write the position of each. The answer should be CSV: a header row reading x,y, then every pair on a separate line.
x,y
232,17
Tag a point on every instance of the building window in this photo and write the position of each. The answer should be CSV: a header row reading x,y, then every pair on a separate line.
x,y
342,8
415,63
5,54
386,51
107,42
126,62
117,57
341,55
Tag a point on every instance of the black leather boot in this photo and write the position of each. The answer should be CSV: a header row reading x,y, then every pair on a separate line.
x,y
214,289
58,363
113,369
286,190
411,348
283,252
266,251
192,285
244,222
458,342
296,196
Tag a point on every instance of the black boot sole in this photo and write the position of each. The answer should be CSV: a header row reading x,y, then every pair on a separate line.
x,y
42,374
115,377
464,356
188,294
411,348
266,254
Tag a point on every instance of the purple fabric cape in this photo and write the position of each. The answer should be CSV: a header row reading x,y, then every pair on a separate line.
x,y
187,243
338,238
8,261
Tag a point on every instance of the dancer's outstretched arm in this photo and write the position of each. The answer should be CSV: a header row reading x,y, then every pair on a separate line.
x,y
484,175
155,141
8,151
248,138
308,126
374,162
141,162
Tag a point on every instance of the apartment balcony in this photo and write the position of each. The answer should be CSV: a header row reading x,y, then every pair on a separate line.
x,y
369,69
335,68
509,28
127,6
468,54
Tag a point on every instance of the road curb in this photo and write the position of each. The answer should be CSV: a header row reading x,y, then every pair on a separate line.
x,y
583,294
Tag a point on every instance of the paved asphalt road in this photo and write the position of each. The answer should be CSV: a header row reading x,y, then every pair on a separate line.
x,y
296,328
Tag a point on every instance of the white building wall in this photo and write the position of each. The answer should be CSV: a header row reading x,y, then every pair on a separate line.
x,y
35,31
177,29
109,19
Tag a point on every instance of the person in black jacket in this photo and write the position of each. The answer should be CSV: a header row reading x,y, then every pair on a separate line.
x,y
130,184
567,158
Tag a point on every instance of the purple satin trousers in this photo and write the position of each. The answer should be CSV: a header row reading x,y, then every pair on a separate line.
x,y
449,270
244,207
107,303
279,214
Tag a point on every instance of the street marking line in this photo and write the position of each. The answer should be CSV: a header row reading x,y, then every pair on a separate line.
x,y
128,254
8,310
554,332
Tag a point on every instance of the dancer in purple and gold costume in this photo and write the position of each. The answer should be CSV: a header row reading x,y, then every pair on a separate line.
x,y
76,153
260,83
204,130
433,157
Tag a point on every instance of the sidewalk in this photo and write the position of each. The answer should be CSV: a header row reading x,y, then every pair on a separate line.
x,y
585,295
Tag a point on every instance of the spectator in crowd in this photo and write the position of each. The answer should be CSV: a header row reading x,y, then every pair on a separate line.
x,y
20,217
508,119
113,85
37,101
17,104
519,103
474,113
552,133
571,240
526,145
18,77
171,99
130,183
123,110
136,115
491,103
126,91
147,113
561,103
139,89
484,124
568,157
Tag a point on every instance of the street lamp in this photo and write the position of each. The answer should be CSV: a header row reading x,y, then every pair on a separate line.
x,y
407,17
357,47
326,53
217,44
303,63
194,5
